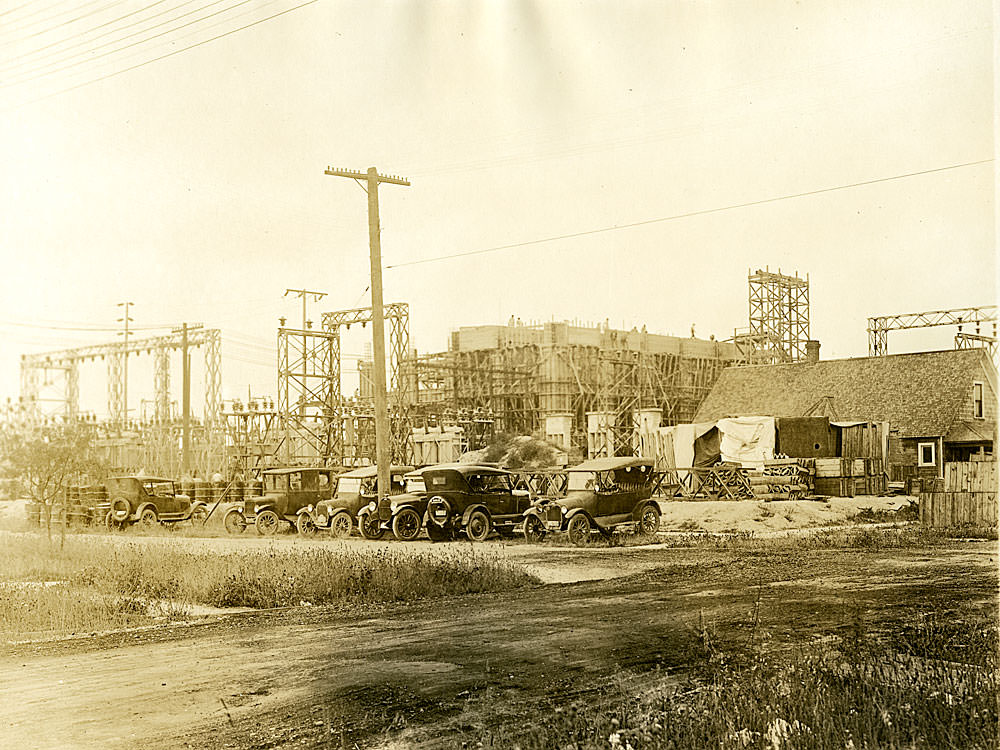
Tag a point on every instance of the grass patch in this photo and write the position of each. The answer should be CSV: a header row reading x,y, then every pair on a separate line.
x,y
96,571
870,696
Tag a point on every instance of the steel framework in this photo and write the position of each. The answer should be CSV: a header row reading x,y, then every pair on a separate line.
x,y
779,319
878,328
252,432
350,443
308,395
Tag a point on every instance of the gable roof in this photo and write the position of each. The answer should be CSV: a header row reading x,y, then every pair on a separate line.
x,y
921,394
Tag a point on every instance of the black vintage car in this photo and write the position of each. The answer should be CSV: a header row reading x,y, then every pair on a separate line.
x,y
147,501
473,499
356,492
603,494
286,491
402,514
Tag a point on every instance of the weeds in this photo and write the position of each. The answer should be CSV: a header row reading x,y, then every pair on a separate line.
x,y
95,571
746,698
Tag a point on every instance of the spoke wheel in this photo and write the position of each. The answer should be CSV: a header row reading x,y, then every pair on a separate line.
x,y
267,523
478,527
305,524
234,522
406,524
148,518
579,530
649,521
341,525
534,530
370,527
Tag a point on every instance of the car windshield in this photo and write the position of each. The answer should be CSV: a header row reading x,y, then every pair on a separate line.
x,y
160,489
349,485
275,481
582,480
415,485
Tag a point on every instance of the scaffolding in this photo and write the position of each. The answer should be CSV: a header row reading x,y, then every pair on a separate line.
x,y
584,387
779,319
878,328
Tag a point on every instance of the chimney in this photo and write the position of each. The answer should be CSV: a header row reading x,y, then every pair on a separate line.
x,y
812,351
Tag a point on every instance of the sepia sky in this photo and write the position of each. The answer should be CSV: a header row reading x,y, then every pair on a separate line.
x,y
193,185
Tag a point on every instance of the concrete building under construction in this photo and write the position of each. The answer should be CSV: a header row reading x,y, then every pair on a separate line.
x,y
586,387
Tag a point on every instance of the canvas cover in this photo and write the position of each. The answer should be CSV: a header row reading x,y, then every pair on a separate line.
x,y
747,440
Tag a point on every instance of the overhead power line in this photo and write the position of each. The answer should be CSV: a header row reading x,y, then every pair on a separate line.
x,y
40,72
688,214
164,56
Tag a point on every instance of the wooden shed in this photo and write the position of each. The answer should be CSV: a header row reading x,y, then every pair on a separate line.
x,y
940,406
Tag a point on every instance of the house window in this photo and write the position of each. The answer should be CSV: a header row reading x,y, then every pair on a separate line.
x,y
925,454
977,401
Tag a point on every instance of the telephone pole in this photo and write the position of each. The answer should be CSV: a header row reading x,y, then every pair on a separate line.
x,y
317,296
185,396
126,319
372,179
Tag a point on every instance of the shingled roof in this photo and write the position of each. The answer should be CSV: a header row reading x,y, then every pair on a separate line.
x,y
921,395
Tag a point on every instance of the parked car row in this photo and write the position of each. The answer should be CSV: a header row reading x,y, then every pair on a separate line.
x,y
448,501
452,501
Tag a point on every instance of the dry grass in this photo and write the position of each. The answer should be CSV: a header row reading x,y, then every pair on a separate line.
x,y
862,694
108,584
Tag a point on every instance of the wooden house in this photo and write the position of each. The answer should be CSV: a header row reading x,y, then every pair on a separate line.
x,y
940,406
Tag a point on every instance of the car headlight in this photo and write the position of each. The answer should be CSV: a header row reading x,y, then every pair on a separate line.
x,y
309,508
562,509
256,509
372,506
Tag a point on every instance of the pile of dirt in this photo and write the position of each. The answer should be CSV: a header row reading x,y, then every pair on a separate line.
x,y
518,452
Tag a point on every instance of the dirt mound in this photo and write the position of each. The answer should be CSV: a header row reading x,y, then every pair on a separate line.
x,y
518,452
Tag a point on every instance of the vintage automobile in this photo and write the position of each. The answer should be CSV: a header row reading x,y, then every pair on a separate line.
x,y
603,494
356,492
473,499
148,501
285,492
402,514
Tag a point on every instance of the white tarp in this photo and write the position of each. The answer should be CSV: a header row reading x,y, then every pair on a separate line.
x,y
747,440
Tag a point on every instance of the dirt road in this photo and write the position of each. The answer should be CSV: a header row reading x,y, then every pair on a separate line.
x,y
422,674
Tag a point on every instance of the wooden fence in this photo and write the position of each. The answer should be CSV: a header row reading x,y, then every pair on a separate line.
x,y
969,496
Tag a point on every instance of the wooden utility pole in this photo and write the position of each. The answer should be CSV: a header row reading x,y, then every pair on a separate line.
x,y
373,178
185,397
126,320
317,296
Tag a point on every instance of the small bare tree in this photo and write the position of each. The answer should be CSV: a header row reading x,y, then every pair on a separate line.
x,y
45,460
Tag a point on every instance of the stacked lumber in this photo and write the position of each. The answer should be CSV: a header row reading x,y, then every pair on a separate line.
x,y
847,477
783,479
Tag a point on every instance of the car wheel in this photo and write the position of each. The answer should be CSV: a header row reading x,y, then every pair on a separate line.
x,y
148,518
267,523
112,523
370,527
534,530
478,526
234,522
649,521
406,524
199,515
341,525
305,524
579,529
